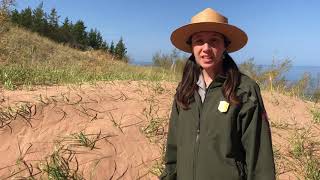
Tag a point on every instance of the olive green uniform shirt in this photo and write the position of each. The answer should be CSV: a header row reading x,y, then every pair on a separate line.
x,y
205,143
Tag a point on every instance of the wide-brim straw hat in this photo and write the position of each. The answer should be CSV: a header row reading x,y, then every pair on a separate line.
x,y
209,20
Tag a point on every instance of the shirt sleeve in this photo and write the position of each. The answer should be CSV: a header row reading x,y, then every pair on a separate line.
x,y
170,160
256,138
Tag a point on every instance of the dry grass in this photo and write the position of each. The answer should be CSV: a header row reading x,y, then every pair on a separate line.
x,y
27,59
157,122
315,112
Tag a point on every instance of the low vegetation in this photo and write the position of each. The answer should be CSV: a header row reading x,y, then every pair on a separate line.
x,y
26,60
173,61
303,150
272,78
315,112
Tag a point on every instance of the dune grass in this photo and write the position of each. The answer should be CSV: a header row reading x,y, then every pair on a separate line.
x,y
304,151
26,59
14,76
315,112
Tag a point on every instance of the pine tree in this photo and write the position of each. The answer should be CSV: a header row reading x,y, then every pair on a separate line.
x,y
53,19
65,32
39,20
66,23
53,26
15,16
120,50
25,18
99,40
80,35
104,46
95,39
111,48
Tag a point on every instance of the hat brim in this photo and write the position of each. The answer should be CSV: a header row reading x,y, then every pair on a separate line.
x,y
236,36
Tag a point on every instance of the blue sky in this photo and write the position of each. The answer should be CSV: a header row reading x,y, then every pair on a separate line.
x,y
277,29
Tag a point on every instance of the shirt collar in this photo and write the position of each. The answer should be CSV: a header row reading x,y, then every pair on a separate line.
x,y
201,82
218,81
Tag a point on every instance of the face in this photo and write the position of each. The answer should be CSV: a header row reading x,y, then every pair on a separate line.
x,y
208,48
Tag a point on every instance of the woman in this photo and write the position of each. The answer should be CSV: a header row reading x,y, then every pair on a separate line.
x,y
218,128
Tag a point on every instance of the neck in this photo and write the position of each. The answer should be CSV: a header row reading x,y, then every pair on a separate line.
x,y
209,75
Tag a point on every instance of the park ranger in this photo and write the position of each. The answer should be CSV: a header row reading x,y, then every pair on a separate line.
x,y
218,127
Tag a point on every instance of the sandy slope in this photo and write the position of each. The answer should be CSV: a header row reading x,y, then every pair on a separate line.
x,y
114,113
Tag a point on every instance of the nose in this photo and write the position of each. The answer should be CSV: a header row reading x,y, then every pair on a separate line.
x,y
206,47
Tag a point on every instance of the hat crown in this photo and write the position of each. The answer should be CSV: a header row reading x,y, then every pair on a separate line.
x,y
209,15
209,20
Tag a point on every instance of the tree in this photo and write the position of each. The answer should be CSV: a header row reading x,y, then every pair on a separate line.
x,y
80,35
53,19
99,40
104,46
120,51
111,48
67,24
53,26
15,16
25,18
39,20
66,32
95,39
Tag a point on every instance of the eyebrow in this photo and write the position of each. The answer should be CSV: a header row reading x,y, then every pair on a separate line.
x,y
213,35
189,40
200,36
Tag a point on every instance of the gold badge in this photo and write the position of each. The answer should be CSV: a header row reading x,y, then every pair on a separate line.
x,y
223,106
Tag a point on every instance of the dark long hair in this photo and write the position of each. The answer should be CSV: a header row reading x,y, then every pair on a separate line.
x,y
190,76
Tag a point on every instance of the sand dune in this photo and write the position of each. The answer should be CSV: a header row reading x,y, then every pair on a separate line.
x,y
109,130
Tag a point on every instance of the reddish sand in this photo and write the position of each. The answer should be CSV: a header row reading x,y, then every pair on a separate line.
x,y
116,112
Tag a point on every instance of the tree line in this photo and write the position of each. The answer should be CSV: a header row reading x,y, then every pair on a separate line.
x,y
73,34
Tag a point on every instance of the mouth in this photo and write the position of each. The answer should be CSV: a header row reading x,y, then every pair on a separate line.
x,y
207,58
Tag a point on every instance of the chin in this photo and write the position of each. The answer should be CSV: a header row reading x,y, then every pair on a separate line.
x,y
211,66
208,65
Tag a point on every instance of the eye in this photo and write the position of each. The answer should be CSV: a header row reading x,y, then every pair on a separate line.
x,y
197,41
213,40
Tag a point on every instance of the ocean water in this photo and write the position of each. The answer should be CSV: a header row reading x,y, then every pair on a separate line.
x,y
296,72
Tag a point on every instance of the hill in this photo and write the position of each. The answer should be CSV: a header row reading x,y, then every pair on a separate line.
x,y
27,59
70,114
117,129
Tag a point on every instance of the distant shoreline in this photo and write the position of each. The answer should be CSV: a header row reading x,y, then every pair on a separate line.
x,y
294,73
